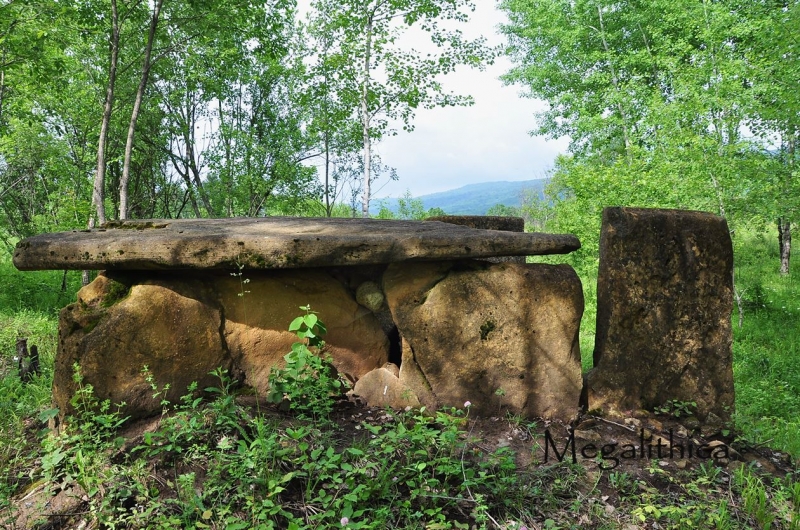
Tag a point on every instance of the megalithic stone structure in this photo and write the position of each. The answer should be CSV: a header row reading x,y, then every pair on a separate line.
x,y
186,296
664,303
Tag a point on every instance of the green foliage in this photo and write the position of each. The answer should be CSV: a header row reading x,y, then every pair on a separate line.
x,y
408,208
766,362
44,292
677,408
309,383
652,99
80,453
504,211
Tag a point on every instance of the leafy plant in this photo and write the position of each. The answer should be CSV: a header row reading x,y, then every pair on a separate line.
x,y
677,408
308,383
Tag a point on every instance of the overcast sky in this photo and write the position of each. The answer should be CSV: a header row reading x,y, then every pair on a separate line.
x,y
455,146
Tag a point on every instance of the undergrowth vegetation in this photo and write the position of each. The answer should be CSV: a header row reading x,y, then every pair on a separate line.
x,y
297,458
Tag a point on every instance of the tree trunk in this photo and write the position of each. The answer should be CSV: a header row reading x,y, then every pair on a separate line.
x,y
137,104
615,82
98,189
785,243
365,123
2,90
327,171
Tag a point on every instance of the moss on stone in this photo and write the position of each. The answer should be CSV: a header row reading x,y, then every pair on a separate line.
x,y
133,225
91,324
116,291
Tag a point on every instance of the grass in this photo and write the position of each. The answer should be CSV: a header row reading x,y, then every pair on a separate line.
x,y
766,348
216,461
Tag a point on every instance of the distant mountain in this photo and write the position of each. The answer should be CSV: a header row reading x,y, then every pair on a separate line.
x,y
473,199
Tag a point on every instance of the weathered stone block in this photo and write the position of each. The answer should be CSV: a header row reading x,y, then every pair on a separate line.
x,y
184,326
664,302
502,336
120,325
382,387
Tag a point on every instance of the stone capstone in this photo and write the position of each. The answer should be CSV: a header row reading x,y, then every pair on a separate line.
x,y
664,303
273,243
501,336
488,222
184,326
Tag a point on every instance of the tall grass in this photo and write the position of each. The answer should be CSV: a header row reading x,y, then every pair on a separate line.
x,y
766,349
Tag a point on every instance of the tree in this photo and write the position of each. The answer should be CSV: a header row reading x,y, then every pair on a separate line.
x,y
147,64
98,189
382,79
656,97
774,68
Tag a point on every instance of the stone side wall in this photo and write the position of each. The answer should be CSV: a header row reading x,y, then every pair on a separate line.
x,y
502,336
182,326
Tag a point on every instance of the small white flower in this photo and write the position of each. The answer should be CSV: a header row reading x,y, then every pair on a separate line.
x,y
344,521
467,404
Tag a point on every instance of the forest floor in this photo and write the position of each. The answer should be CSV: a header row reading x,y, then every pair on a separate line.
x,y
364,467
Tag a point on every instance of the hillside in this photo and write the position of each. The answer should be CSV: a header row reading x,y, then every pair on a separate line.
x,y
473,199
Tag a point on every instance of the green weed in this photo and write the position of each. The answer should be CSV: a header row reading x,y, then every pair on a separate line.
x,y
308,383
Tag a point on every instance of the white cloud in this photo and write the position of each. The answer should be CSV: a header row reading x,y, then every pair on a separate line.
x,y
455,146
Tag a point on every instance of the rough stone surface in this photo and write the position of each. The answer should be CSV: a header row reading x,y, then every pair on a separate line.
x,y
369,295
484,222
117,327
382,388
664,302
184,326
256,323
502,336
273,243
488,222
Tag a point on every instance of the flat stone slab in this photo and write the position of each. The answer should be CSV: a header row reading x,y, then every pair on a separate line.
x,y
273,243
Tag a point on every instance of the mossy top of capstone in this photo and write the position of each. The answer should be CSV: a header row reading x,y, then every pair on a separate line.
x,y
273,243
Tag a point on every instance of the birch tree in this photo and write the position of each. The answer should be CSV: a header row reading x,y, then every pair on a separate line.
x,y
385,80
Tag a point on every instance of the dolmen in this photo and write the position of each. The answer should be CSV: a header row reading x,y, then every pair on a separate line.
x,y
415,313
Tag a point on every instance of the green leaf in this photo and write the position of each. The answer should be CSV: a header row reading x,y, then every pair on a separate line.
x,y
310,320
296,324
47,415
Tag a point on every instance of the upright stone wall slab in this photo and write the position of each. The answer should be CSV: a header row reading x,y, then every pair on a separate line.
x,y
503,336
664,302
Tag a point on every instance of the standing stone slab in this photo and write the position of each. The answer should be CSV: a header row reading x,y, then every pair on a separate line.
x,y
503,336
664,302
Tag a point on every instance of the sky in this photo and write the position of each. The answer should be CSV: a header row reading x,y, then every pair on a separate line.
x,y
455,146
489,141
